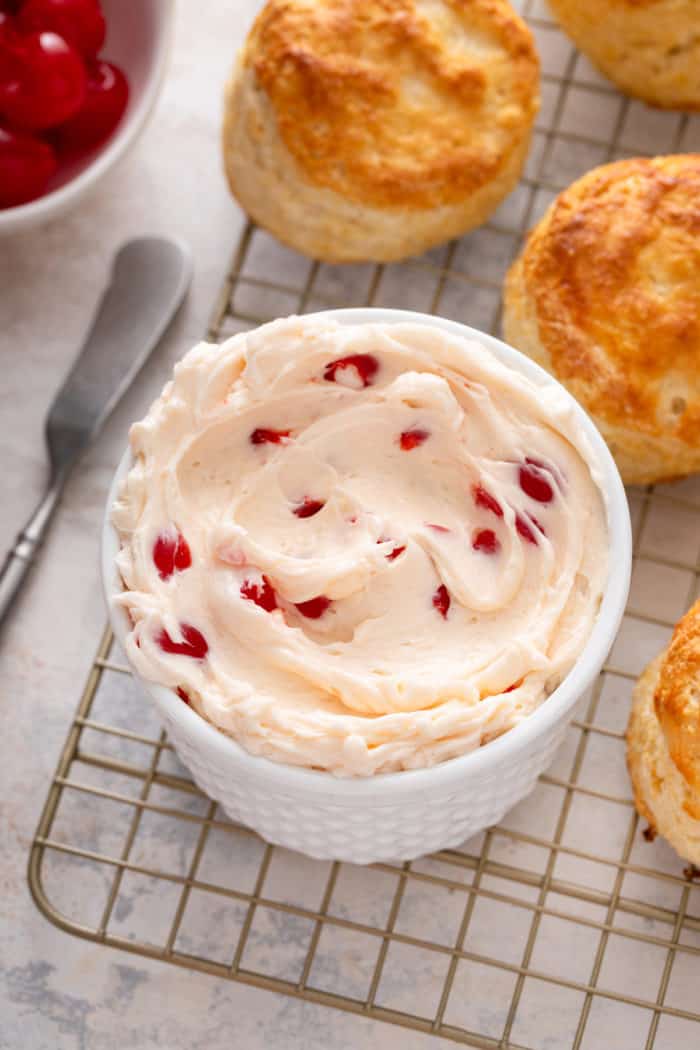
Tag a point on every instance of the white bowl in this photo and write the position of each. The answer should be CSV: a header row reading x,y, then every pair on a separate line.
x,y
138,40
395,816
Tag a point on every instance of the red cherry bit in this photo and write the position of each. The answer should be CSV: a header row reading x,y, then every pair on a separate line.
x,y
442,601
308,507
411,439
525,528
533,481
26,165
184,696
314,608
171,553
263,593
106,99
7,21
364,365
80,22
486,541
194,643
183,555
43,80
393,555
486,501
266,436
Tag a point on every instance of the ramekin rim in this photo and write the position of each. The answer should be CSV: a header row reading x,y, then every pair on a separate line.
x,y
449,774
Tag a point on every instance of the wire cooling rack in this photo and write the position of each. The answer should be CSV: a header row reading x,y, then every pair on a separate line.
x,y
563,927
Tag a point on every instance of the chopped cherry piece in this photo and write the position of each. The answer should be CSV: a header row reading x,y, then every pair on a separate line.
x,y
43,80
437,528
106,99
308,507
265,436
26,165
486,541
411,439
183,556
441,600
263,593
79,22
171,553
364,366
396,552
533,481
164,556
315,607
484,499
194,643
524,528
183,695
515,685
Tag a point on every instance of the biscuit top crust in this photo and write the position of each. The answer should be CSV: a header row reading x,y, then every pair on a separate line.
x,y
614,274
614,6
397,103
677,697
637,4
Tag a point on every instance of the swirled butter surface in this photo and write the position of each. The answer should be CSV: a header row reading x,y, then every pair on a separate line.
x,y
358,548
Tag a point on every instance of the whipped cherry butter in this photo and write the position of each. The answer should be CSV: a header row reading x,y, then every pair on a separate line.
x,y
358,548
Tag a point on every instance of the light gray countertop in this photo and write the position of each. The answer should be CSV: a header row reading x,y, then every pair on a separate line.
x,y
56,991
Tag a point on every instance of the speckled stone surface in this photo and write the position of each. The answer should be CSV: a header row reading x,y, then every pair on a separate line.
x,y
57,992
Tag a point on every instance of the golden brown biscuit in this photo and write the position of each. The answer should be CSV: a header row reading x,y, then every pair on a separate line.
x,y
649,48
663,740
374,129
606,296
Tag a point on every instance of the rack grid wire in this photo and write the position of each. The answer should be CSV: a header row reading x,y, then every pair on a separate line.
x,y
563,926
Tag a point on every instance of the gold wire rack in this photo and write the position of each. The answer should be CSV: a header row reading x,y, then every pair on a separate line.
x,y
563,926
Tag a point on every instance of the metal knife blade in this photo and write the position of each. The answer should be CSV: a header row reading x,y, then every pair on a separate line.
x,y
149,279
150,276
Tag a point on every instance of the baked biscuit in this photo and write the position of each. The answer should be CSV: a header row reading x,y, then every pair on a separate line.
x,y
374,129
606,296
649,48
663,740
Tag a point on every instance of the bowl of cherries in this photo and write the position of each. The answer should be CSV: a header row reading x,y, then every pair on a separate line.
x,y
78,79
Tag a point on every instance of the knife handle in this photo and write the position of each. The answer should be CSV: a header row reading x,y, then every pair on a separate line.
x,y
23,553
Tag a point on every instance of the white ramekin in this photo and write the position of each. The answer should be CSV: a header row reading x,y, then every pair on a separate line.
x,y
395,816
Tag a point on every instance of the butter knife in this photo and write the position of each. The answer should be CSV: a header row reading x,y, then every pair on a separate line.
x,y
149,279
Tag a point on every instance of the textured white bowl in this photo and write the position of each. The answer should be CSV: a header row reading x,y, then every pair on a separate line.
x,y
138,40
394,816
